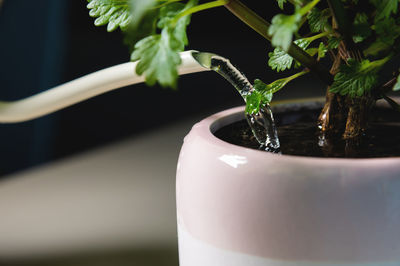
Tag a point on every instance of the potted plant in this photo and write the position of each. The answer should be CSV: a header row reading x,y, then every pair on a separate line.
x,y
241,206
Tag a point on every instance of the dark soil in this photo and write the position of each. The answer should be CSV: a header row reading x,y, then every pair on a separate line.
x,y
298,135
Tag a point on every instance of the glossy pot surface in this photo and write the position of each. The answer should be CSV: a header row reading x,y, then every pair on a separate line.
x,y
238,206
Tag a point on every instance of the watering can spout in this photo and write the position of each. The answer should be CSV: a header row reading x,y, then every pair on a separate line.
x,y
84,88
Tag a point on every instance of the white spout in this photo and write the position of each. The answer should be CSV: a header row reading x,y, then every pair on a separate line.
x,y
82,89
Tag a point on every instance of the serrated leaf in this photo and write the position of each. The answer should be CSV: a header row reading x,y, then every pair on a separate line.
x,y
361,28
115,13
159,58
140,8
280,60
333,43
355,79
317,19
384,8
168,14
376,47
159,53
387,31
322,49
133,34
282,29
280,3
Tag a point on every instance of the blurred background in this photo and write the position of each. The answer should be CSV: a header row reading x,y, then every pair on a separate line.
x,y
93,184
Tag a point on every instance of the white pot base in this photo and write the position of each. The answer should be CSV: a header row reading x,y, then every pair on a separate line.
x,y
194,252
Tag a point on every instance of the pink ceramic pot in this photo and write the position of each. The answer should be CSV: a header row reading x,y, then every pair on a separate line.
x,y
243,207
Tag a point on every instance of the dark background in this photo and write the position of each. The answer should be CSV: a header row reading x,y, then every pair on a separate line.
x,y
48,42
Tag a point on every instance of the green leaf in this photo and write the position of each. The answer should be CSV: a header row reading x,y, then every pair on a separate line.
x,y
264,89
133,34
333,43
282,29
280,3
168,14
355,79
262,93
260,96
317,19
159,53
253,102
376,47
396,86
280,60
140,8
159,58
387,31
278,84
361,28
384,8
322,49
115,13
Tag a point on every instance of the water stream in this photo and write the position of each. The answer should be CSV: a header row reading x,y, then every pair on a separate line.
x,y
262,124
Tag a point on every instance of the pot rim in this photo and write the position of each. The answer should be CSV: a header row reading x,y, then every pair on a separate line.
x,y
207,126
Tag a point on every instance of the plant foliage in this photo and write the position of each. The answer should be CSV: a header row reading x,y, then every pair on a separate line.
x,y
279,60
161,28
318,20
282,29
262,92
114,13
355,78
156,30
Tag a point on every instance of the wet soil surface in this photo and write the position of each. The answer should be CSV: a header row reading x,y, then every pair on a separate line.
x,y
299,135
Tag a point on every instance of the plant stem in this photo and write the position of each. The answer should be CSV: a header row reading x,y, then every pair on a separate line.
x,y
304,10
339,13
201,7
317,36
257,23
249,17
308,61
298,74
166,3
345,28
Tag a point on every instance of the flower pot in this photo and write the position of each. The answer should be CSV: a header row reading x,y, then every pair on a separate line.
x,y
239,207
